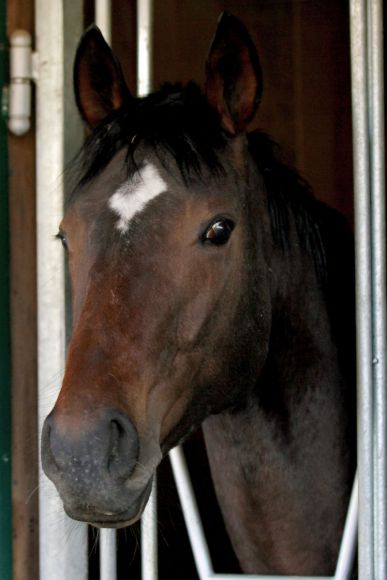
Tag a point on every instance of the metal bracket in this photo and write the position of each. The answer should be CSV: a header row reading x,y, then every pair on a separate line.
x,y
22,73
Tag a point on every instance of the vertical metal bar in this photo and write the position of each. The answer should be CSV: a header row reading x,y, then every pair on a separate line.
x,y
103,18
5,355
358,22
149,556
63,544
108,554
144,46
378,233
191,514
108,538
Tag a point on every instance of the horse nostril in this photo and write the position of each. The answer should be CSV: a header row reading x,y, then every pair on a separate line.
x,y
108,447
116,432
123,448
48,459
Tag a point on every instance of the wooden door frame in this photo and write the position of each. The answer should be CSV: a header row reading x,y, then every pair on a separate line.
x,y
5,366
22,214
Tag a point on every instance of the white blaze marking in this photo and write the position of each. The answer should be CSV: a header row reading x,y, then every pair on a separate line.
x,y
131,198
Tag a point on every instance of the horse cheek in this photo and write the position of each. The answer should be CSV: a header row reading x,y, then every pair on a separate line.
x,y
193,319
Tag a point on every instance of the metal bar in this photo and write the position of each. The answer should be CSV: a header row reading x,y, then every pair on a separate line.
x,y
347,552
358,20
108,538
5,354
378,233
63,544
199,544
108,554
103,18
263,577
149,539
144,46
149,556
191,514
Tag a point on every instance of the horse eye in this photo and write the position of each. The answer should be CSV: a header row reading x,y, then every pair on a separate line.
x,y
60,236
219,232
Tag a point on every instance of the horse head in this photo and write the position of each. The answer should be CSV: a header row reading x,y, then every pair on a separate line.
x,y
170,298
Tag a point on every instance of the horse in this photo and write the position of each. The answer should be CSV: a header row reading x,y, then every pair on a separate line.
x,y
209,289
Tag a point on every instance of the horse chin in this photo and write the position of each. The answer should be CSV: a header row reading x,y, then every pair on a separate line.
x,y
103,518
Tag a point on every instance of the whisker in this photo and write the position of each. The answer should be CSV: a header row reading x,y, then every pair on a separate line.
x,y
135,533
95,534
31,494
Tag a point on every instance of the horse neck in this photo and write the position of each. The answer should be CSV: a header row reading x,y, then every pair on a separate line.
x,y
282,461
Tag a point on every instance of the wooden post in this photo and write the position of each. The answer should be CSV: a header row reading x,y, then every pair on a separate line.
x,y
20,15
5,367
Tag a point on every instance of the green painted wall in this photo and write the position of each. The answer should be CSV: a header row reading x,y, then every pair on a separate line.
x,y
5,365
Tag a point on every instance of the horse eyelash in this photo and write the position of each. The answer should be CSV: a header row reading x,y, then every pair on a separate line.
x,y
62,238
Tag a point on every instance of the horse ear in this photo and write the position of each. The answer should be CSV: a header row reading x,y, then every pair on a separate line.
x,y
233,75
99,84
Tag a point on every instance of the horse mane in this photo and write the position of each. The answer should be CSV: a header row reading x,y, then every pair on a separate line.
x,y
290,198
323,233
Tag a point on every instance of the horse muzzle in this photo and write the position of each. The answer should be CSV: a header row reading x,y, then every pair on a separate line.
x,y
93,466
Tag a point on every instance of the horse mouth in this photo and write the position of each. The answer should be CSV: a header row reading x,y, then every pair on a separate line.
x,y
104,518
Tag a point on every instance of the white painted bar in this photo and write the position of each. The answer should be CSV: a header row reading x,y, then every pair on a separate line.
x,y
349,540
378,233
108,537
63,546
149,539
358,29
149,544
144,46
108,554
263,577
149,559
199,544
103,18
191,514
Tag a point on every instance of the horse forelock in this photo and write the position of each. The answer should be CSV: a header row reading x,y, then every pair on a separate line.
x,y
174,122
177,122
